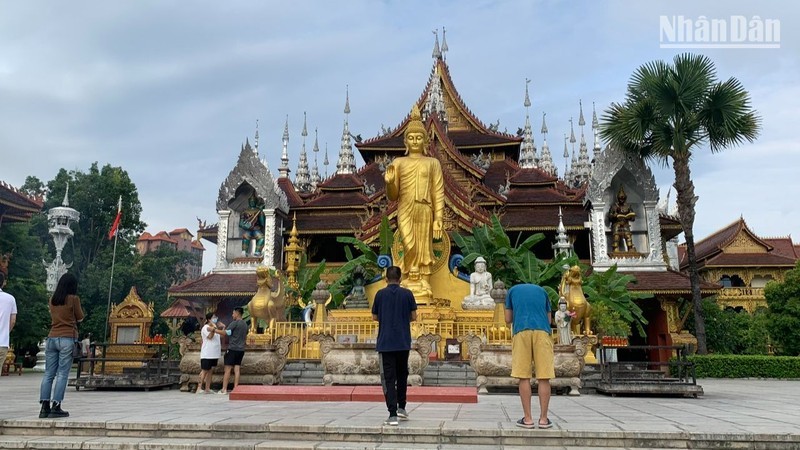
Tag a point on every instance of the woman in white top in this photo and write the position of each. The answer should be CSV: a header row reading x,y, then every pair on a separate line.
x,y
210,351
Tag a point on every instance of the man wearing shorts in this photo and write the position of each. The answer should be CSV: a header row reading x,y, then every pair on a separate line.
x,y
528,310
237,336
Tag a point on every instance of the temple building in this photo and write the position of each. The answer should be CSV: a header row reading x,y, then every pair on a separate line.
x,y
604,208
180,240
16,206
743,263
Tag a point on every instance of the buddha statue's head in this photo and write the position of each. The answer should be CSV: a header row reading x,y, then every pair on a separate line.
x,y
413,273
480,264
562,304
415,137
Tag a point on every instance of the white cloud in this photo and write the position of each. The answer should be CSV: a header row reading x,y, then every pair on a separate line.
x,y
169,91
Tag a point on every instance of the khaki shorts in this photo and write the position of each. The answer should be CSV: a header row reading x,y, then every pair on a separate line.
x,y
532,348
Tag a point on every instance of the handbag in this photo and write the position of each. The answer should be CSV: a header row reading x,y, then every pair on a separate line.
x,y
77,351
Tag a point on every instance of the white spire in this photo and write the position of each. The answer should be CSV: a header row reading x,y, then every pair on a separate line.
x,y
444,43
567,169
527,157
325,162
596,131
315,178
583,170
302,179
562,245
546,161
66,197
437,54
346,163
255,141
284,169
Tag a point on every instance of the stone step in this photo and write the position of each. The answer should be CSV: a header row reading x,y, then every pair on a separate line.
x,y
137,443
41,434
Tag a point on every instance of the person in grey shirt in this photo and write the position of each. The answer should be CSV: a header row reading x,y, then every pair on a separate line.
x,y
237,337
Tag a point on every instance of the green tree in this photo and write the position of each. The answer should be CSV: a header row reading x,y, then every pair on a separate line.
x,y
26,282
95,193
671,110
33,187
783,299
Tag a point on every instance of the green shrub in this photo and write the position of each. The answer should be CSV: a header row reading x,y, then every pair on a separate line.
x,y
731,332
746,366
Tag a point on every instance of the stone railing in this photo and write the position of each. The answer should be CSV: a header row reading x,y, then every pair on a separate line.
x,y
492,364
262,364
359,363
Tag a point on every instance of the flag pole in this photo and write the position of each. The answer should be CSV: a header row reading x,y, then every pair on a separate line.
x,y
115,230
110,284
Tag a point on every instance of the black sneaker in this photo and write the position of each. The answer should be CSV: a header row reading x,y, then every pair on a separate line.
x,y
56,412
392,421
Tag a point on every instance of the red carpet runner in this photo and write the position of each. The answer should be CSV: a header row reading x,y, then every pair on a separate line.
x,y
416,394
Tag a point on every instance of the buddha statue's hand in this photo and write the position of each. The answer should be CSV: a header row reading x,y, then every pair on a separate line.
x,y
437,229
390,174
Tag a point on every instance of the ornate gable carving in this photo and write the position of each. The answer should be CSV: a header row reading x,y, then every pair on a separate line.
x,y
249,169
743,242
609,163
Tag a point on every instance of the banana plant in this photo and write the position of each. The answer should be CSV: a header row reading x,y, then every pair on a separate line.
x,y
611,289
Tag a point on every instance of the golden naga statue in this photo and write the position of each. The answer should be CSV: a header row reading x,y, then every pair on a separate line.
x,y
621,215
572,291
415,181
267,304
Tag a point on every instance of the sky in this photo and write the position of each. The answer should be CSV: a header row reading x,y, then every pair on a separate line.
x,y
170,90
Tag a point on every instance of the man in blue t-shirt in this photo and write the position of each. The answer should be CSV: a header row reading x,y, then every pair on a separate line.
x,y
394,308
528,308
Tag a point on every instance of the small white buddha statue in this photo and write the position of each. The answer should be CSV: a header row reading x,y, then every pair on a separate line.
x,y
480,283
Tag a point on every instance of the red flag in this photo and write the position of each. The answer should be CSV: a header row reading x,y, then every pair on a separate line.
x,y
115,226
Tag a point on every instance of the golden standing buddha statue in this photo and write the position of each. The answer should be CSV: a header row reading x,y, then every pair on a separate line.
x,y
415,181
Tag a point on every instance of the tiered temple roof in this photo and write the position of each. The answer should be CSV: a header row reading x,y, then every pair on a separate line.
x,y
16,206
737,246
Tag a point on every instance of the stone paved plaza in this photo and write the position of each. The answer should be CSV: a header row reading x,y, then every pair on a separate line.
x,y
731,414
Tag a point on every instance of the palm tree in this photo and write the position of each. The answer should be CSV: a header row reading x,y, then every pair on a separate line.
x,y
669,111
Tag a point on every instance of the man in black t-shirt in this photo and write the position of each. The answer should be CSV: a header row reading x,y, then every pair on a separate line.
x,y
237,337
394,308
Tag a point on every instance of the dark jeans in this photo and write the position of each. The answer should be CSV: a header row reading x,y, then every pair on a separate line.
x,y
394,379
